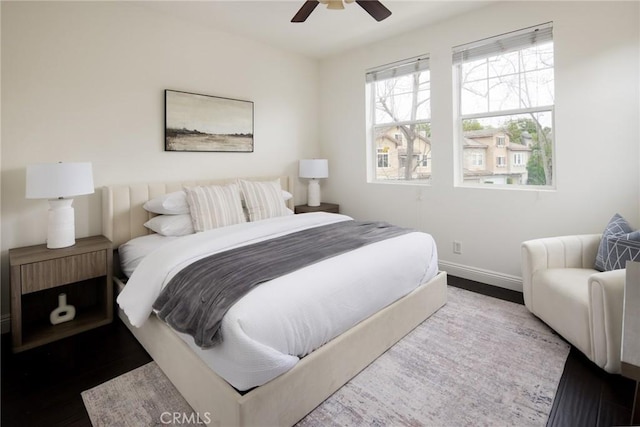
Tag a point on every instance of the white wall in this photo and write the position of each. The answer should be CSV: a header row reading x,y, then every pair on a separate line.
x,y
84,81
596,128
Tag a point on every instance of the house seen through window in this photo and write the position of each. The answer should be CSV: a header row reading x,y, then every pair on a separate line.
x,y
399,121
383,158
505,105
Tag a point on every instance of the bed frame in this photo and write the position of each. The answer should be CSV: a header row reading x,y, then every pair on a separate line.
x,y
288,398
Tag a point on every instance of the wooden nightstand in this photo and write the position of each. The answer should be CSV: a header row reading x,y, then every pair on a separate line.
x,y
324,207
39,275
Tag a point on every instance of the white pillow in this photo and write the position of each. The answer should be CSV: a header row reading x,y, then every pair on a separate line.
x,y
214,206
264,199
168,204
132,252
171,225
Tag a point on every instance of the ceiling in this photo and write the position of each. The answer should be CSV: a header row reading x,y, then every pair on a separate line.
x,y
326,32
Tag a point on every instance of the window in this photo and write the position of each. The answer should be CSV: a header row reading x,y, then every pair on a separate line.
x,y
399,118
383,158
477,159
518,159
505,90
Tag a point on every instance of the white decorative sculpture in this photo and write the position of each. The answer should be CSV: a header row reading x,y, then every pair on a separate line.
x,y
64,312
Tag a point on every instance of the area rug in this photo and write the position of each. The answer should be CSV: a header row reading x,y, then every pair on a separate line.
x,y
477,361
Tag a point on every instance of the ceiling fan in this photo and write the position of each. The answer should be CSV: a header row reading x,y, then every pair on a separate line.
x,y
373,8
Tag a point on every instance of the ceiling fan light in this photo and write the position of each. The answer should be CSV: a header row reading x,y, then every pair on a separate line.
x,y
373,7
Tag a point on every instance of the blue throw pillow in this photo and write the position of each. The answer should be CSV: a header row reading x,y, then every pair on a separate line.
x,y
622,249
617,227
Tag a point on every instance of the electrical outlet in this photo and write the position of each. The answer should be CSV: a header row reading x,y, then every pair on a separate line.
x,y
457,247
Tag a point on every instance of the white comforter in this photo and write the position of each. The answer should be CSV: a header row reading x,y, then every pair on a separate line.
x,y
268,330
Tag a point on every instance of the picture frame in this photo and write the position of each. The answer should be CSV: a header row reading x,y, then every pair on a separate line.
x,y
196,122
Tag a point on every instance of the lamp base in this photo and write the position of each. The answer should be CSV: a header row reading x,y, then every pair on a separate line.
x,y
313,193
61,231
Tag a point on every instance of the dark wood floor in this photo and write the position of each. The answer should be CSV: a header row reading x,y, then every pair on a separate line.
x,y
41,387
588,396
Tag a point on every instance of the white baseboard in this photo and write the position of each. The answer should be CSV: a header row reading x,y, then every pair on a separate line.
x,y
5,323
489,277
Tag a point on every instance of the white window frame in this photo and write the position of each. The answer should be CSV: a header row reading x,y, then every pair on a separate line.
x,y
501,161
384,156
509,42
477,159
400,68
518,159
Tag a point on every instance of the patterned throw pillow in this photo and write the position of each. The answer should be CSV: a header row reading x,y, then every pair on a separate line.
x,y
214,206
264,199
622,249
617,227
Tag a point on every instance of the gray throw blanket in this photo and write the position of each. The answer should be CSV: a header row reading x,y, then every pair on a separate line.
x,y
195,300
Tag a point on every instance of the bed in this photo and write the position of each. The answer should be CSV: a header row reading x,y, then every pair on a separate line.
x,y
287,398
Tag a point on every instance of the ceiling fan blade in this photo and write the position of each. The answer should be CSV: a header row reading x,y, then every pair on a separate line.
x,y
305,11
375,9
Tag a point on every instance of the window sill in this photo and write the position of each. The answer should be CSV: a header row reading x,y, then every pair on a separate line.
x,y
509,187
401,182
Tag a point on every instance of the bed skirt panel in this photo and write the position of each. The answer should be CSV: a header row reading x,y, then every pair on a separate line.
x,y
288,398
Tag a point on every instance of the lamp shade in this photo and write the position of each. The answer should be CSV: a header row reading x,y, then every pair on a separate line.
x,y
59,180
314,168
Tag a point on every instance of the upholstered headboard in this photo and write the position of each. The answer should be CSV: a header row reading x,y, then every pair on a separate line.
x,y
122,213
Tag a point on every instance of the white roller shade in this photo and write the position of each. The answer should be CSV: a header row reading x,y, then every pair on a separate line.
x,y
397,69
504,43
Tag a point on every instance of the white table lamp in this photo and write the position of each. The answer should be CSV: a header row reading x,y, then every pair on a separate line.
x,y
314,169
58,182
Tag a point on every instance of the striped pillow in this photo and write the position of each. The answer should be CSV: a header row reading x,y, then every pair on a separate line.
x,y
264,199
214,206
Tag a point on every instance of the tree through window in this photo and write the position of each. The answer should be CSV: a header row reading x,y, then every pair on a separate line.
x,y
399,117
505,88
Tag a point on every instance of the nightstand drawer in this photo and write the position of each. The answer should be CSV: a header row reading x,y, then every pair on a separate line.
x,y
38,276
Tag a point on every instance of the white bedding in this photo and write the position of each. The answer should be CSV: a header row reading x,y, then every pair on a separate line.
x,y
135,250
267,331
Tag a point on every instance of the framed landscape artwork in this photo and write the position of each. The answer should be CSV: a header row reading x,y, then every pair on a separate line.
x,y
207,123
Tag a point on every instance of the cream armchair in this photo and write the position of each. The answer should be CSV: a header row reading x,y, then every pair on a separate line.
x,y
562,288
